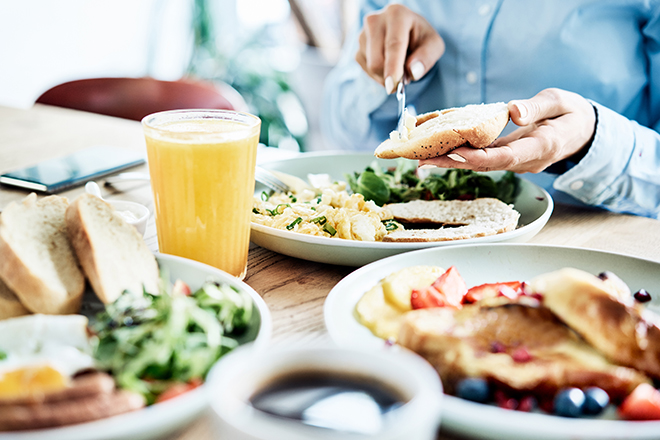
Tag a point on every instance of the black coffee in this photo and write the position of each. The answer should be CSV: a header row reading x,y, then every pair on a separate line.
x,y
343,403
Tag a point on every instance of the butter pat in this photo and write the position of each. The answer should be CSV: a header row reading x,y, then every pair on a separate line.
x,y
409,123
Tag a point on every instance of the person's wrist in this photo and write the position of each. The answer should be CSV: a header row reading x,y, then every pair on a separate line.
x,y
579,155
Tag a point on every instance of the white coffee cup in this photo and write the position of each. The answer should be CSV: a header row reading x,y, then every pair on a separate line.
x,y
243,373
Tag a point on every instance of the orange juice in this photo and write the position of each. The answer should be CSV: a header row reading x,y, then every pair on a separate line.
x,y
202,176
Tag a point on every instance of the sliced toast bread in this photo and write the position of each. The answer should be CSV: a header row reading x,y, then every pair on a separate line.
x,y
466,218
36,259
112,253
437,133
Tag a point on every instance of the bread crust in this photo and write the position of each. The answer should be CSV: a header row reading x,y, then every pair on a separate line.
x,y
10,305
431,136
82,245
35,293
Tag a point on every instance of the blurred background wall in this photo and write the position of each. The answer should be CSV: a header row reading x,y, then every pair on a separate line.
x,y
276,53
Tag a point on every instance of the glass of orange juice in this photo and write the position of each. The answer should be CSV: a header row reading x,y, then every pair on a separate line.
x,y
202,164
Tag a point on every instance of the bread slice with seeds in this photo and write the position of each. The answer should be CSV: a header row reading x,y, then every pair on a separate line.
x,y
437,133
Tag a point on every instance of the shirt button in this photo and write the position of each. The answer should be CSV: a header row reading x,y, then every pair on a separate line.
x,y
484,10
577,185
471,77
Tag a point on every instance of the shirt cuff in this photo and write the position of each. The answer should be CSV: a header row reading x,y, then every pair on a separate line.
x,y
591,179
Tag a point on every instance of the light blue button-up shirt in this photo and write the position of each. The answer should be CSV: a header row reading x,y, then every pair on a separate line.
x,y
497,50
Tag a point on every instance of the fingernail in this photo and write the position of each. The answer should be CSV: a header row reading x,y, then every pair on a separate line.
x,y
456,157
427,166
521,109
417,70
389,85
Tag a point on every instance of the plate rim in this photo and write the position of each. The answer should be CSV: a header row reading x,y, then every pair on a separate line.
x,y
122,426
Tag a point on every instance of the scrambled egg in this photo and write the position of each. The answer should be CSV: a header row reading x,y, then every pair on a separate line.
x,y
334,213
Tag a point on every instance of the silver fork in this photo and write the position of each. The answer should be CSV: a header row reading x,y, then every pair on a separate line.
x,y
269,179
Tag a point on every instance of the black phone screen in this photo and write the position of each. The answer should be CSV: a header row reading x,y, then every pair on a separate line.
x,y
75,169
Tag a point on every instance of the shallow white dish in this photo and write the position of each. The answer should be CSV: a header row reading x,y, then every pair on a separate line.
x,y
164,417
490,263
534,204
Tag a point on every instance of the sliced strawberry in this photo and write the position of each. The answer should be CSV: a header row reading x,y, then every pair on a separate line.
x,y
510,289
642,404
452,286
426,298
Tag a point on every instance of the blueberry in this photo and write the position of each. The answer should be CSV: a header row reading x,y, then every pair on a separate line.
x,y
569,402
596,400
474,389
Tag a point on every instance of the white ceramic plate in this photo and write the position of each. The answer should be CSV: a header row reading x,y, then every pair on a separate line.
x,y
534,204
161,418
491,263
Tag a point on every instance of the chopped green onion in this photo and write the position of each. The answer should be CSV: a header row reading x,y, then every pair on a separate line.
x,y
293,198
255,210
294,223
320,220
3,355
265,196
390,224
276,211
329,229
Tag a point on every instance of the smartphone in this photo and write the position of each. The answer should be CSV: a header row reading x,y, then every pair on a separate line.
x,y
76,169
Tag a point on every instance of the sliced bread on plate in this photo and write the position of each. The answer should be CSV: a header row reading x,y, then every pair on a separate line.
x,y
112,253
465,218
36,259
437,133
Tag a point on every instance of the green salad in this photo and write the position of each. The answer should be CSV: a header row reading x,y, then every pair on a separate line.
x,y
402,184
154,344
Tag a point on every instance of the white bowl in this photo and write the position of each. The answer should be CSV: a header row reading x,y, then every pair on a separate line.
x,y
162,418
134,213
246,370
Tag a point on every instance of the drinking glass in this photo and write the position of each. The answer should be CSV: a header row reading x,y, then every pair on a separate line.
x,y
201,164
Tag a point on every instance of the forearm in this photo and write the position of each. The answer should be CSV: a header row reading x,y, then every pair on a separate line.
x,y
621,170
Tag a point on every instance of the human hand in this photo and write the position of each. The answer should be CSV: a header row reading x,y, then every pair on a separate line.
x,y
395,38
554,125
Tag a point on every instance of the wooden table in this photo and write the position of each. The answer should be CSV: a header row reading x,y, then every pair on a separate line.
x,y
293,289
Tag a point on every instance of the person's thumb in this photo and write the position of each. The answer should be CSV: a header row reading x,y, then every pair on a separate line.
x,y
546,104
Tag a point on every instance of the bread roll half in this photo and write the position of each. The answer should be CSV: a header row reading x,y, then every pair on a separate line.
x,y
36,258
439,132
